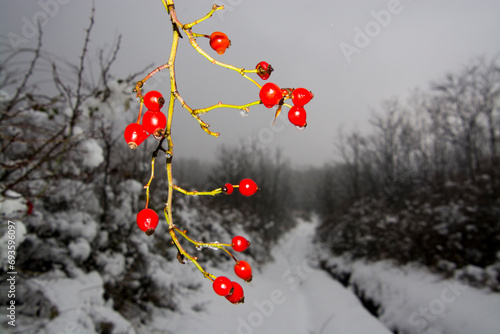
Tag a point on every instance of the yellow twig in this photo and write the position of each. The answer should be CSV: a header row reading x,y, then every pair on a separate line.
x,y
197,193
150,180
244,107
210,13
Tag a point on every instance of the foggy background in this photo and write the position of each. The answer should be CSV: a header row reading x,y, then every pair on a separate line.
x,y
382,216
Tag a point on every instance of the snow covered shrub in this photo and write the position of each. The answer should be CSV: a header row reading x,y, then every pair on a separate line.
x,y
424,186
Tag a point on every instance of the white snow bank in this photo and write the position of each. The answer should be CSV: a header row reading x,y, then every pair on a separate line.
x,y
80,306
413,300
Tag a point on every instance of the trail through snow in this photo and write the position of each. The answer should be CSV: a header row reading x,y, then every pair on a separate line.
x,y
288,296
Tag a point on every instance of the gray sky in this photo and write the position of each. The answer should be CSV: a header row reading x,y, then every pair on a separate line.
x,y
351,54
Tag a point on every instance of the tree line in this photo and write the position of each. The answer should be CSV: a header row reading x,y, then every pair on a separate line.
x,y
424,184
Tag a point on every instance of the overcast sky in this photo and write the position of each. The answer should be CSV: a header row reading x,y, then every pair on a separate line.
x,y
351,54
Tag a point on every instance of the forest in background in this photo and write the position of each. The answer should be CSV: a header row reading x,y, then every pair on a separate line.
x,y
424,185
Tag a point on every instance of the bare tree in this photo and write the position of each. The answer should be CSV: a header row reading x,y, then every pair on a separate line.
x,y
463,101
45,119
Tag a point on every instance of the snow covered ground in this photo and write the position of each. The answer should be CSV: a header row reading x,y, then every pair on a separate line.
x,y
413,300
288,296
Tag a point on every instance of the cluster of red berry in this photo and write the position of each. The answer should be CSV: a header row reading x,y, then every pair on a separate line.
x,y
158,124
153,121
223,286
271,94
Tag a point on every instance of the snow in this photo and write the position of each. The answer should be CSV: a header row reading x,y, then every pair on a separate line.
x,y
13,205
112,265
75,224
287,296
80,305
92,153
413,300
79,249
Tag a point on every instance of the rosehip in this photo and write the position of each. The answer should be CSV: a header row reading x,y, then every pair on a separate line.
x,y
219,42
228,188
270,94
297,116
264,70
301,96
236,297
29,207
243,270
248,187
134,135
222,286
239,243
147,220
154,122
153,100
286,92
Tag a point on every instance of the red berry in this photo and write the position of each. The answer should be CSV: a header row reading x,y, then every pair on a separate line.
x,y
29,207
154,122
240,244
222,286
270,94
297,116
286,92
243,270
134,135
153,100
301,96
219,42
264,70
237,296
248,187
228,188
147,220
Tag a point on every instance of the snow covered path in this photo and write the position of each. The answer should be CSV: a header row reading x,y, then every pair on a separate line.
x,y
288,296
